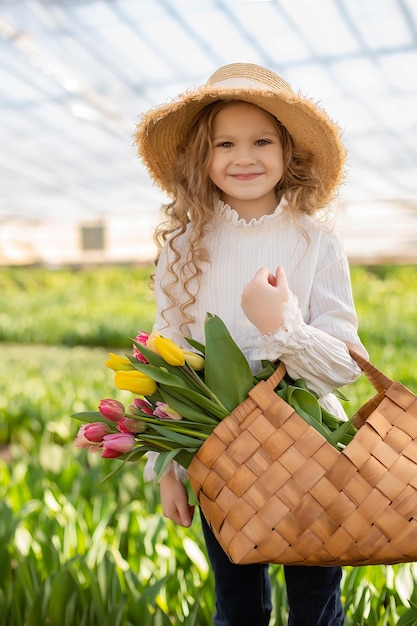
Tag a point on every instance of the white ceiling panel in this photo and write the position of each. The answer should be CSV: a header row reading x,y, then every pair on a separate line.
x,y
75,75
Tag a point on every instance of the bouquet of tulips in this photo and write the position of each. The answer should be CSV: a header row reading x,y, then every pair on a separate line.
x,y
181,395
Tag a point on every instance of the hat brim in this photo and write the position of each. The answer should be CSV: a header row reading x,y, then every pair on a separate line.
x,y
161,131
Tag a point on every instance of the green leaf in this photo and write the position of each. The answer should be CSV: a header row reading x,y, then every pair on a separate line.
x,y
92,416
333,422
164,460
184,440
301,383
161,375
226,370
133,456
344,429
282,393
198,427
62,588
268,369
321,428
212,407
306,401
196,344
5,565
189,410
409,618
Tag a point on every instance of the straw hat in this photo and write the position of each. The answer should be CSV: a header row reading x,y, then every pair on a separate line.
x,y
162,130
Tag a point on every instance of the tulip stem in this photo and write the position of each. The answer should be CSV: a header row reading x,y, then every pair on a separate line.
x,y
163,447
169,424
186,431
208,392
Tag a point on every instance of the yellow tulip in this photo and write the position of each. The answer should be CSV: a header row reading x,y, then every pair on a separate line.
x,y
135,381
150,342
116,362
194,360
169,351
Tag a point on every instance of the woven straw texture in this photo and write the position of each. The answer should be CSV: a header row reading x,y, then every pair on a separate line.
x,y
275,491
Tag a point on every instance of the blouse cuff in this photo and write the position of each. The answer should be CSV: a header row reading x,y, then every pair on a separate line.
x,y
292,334
149,474
308,352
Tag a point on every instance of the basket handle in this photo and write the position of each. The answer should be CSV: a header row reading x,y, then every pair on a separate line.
x,y
275,378
378,379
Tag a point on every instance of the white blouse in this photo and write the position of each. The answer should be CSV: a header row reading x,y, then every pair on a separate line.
x,y
320,316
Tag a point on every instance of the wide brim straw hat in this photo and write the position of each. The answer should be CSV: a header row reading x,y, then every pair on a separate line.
x,y
164,129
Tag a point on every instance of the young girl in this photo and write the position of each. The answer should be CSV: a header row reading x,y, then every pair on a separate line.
x,y
248,164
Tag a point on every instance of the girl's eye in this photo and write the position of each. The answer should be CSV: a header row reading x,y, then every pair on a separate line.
x,y
262,142
224,144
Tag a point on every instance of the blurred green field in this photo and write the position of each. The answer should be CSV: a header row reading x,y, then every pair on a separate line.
x,y
75,553
97,307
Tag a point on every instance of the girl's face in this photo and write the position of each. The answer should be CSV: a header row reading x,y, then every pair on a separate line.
x,y
248,160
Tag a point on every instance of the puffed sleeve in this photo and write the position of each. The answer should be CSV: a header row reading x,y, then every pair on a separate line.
x,y
314,347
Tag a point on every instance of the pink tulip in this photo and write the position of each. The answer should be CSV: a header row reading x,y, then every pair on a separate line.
x,y
164,411
131,425
82,442
95,432
111,409
143,405
108,453
116,444
141,338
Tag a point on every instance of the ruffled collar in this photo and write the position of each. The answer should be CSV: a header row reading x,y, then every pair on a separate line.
x,y
230,216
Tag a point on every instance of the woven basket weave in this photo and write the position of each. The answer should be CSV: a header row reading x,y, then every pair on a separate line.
x,y
273,490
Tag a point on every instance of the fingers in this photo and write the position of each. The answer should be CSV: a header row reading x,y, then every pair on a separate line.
x,y
264,298
280,274
181,516
186,516
174,501
263,275
272,280
281,279
179,512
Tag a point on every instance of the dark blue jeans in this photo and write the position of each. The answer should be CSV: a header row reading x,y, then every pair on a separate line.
x,y
243,592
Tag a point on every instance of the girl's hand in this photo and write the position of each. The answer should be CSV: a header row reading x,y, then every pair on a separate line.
x,y
174,500
264,298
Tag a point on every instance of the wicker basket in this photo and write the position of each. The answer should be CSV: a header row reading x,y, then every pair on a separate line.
x,y
274,490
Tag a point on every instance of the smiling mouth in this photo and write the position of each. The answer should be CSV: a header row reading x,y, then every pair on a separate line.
x,y
245,176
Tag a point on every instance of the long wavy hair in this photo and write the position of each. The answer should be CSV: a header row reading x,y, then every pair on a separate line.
x,y
194,202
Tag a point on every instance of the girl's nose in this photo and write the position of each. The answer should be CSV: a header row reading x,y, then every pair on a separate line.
x,y
245,156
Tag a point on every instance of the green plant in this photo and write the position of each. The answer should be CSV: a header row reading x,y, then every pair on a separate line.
x,y
91,307
72,552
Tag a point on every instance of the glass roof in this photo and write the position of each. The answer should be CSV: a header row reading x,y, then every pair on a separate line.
x,y
75,75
